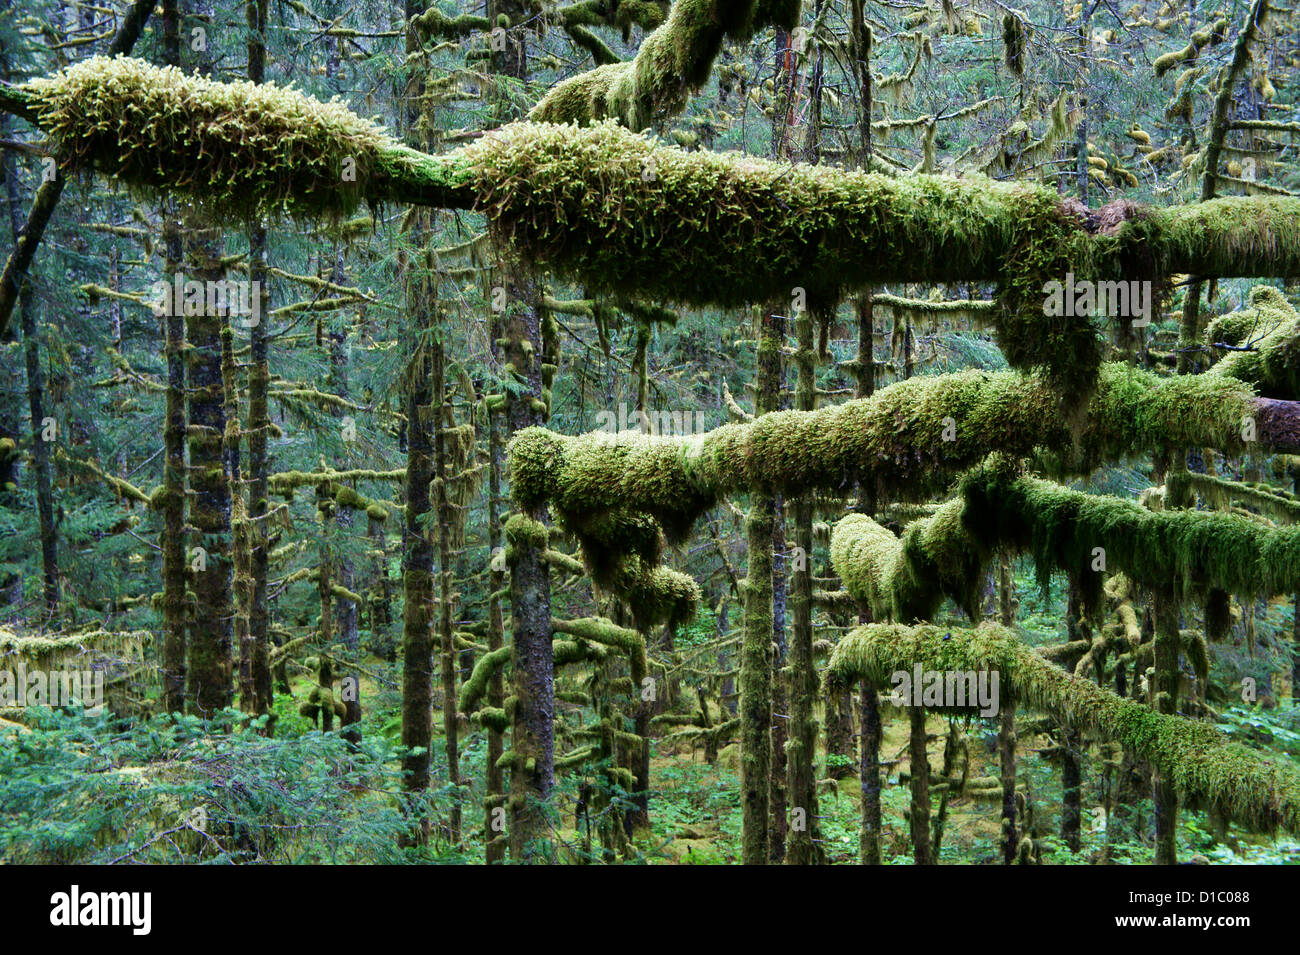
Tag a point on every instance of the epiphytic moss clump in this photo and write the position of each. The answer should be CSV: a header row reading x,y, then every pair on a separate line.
x,y
233,147
659,595
1183,552
672,63
599,474
622,212
621,545
1048,245
610,536
905,579
524,531
1207,770
1265,340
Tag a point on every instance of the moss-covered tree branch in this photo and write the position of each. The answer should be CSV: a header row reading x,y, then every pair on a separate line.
x,y
911,439
580,201
672,63
1206,769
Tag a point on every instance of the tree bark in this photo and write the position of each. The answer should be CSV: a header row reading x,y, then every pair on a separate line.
x,y
532,775
1163,794
756,645
802,684
920,769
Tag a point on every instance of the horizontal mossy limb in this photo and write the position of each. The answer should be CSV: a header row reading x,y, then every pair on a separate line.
x,y
473,689
1271,502
1254,790
1183,552
898,440
49,651
606,633
618,211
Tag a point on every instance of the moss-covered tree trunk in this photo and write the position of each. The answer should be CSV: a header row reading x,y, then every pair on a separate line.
x,y
839,733
417,629
1010,837
45,430
16,289
1072,742
346,615
532,775
258,687
637,816
11,582
864,369
803,684
325,625
208,676
868,695
756,645
1191,358
446,643
1163,795
869,768
417,583
1295,649
494,829
241,558
919,816
175,599
778,807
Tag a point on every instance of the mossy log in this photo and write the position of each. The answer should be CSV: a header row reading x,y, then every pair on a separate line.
x,y
1208,771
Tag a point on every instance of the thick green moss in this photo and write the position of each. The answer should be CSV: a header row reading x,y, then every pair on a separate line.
x,y
678,226
605,633
1233,235
434,23
672,63
621,548
1183,551
1206,35
1205,768
522,531
905,579
1272,502
911,439
235,147
609,207
1270,328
